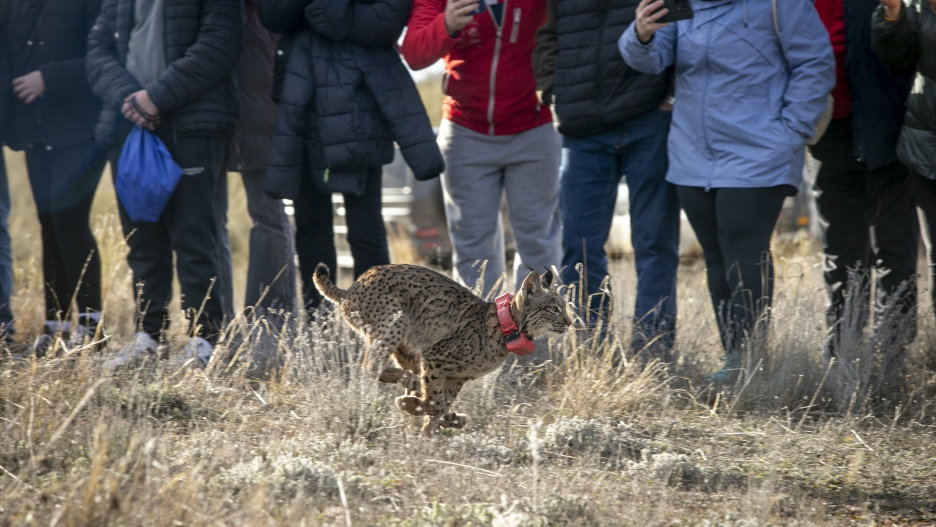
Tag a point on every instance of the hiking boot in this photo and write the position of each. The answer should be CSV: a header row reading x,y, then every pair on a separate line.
x,y
729,371
196,348
142,348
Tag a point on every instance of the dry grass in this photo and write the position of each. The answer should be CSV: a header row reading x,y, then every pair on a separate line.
x,y
573,441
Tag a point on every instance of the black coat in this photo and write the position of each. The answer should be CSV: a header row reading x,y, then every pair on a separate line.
x,y
50,37
910,42
578,67
196,95
345,98
255,87
878,93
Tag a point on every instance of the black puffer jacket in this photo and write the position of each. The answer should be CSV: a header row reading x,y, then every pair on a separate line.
x,y
49,36
345,98
910,42
196,94
579,68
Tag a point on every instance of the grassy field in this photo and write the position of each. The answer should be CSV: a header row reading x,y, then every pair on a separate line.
x,y
571,440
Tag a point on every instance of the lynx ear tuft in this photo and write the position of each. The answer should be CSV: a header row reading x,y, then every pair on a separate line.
x,y
531,283
546,279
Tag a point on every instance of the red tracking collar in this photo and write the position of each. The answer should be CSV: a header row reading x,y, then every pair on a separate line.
x,y
516,340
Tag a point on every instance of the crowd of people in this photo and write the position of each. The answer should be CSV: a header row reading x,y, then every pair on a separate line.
x,y
548,106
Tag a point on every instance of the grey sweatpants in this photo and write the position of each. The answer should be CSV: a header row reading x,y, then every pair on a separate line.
x,y
479,169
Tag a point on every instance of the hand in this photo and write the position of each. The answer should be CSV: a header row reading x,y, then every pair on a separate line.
x,y
143,113
648,12
29,87
892,8
458,14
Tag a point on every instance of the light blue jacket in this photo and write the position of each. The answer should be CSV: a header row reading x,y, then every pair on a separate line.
x,y
746,101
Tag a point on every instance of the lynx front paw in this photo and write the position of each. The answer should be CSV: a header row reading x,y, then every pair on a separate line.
x,y
411,405
430,426
453,420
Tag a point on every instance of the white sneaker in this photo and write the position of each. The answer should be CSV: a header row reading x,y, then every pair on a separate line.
x,y
196,348
141,348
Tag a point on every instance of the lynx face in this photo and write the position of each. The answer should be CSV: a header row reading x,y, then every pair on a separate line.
x,y
542,310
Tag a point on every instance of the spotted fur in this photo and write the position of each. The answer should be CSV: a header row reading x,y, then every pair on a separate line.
x,y
432,335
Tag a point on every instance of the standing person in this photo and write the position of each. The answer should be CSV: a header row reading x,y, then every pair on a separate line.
x,y
905,37
344,97
863,194
495,135
614,121
738,138
52,118
271,269
168,65
7,331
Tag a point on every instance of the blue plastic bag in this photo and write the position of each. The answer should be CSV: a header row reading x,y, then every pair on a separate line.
x,y
146,175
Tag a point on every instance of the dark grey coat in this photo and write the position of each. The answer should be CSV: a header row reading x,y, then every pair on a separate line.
x,y
196,95
908,43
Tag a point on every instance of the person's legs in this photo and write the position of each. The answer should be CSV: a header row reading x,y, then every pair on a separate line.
x,y
531,183
6,256
700,207
654,214
271,271
225,283
473,187
895,242
590,174
315,238
190,217
746,219
925,191
64,181
150,260
367,234
844,217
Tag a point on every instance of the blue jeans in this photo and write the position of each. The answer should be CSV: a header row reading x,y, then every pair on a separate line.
x,y
592,167
6,254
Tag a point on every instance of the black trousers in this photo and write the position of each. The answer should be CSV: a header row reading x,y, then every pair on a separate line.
x,y
315,237
734,226
63,182
925,190
187,227
869,227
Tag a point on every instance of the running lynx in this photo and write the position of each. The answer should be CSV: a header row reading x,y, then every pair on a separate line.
x,y
439,334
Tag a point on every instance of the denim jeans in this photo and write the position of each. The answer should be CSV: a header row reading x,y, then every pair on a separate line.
x,y
6,253
592,167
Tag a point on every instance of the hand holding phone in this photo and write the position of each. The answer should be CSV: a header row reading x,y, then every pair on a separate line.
x,y
458,14
649,13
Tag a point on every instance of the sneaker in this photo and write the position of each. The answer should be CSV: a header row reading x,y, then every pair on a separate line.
x,y
729,372
196,348
84,335
143,347
44,344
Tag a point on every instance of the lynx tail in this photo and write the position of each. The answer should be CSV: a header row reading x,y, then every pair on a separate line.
x,y
325,286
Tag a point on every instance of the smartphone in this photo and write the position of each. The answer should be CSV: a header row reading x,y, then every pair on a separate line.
x,y
678,10
482,6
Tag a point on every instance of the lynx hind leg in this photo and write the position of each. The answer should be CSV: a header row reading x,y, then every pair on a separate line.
x,y
452,419
382,341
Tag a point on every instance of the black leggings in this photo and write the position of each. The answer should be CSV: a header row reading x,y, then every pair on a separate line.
x,y
315,235
734,226
63,181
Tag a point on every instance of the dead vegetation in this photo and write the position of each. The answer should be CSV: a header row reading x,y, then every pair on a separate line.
x,y
581,439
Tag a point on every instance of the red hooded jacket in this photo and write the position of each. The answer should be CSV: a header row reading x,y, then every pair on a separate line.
x,y
489,85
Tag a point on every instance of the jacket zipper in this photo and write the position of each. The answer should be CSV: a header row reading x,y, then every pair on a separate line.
x,y
494,61
708,76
